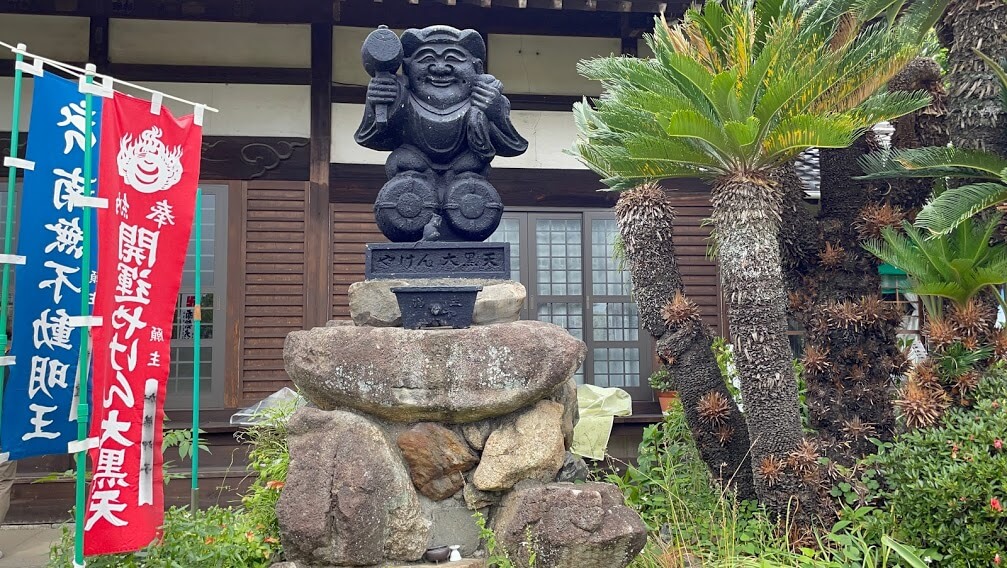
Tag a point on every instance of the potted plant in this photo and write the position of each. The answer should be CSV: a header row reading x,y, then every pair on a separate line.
x,y
660,381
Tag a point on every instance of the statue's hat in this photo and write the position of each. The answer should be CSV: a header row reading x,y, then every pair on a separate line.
x,y
413,38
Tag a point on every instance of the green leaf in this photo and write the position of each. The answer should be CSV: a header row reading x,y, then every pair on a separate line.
x,y
743,133
951,208
904,552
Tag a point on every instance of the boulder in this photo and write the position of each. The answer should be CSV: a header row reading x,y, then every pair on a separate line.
x,y
453,523
348,499
450,375
373,303
572,526
437,458
574,469
476,433
527,446
476,499
566,394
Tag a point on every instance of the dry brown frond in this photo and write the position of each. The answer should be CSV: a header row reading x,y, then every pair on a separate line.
x,y
874,218
873,309
680,310
856,428
857,374
970,342
920,406
832,256
713,408
771,469
845,31
804,459
940,333
975,318
798,301
1000,343
925,375
965,383
724,435
844,314
815,360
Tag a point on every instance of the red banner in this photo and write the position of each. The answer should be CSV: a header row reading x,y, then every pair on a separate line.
x,y
148,172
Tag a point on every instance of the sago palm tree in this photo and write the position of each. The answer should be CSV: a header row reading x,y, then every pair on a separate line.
x,y
956,266
734,90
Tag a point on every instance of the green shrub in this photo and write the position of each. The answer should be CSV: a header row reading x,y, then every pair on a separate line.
x,y
947,485
268,459
214,538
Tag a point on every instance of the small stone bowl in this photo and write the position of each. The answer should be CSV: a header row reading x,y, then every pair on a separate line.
x,y
437,554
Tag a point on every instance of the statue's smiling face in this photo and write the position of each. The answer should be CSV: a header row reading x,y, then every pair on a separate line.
x,y
442,74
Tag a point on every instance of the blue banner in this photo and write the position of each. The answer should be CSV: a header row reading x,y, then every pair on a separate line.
x,y
39,405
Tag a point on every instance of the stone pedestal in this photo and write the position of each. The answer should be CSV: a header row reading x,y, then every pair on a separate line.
x,y
415,430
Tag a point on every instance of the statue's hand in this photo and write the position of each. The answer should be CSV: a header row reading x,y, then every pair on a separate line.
x,y
383,90
486,95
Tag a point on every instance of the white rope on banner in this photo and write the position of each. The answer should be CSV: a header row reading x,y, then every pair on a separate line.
x,y
11,259
12,162
107,81
85,201
7,361
78,446
84,321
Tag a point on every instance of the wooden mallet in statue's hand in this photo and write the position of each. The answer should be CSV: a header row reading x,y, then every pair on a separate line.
x,y
382,56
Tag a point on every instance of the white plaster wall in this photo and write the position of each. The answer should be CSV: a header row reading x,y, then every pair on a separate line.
x,y
245,110
546,65
548,134
209,43
64,38
542,65
7,100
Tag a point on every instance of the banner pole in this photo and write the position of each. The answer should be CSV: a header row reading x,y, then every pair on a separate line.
x,y
11,202
197,316
83,409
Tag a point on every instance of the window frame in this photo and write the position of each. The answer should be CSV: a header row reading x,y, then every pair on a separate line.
x,y
528,270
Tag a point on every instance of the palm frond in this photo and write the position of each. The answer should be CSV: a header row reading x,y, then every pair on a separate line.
x,y
952,207
932,162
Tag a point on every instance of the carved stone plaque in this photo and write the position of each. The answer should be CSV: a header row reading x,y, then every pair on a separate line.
x,y
438,260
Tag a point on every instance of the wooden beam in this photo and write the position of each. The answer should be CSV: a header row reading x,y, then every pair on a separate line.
x,y
318,230
354,94
519,187
97,49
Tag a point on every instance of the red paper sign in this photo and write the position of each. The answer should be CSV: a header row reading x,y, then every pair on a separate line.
x,y
148,171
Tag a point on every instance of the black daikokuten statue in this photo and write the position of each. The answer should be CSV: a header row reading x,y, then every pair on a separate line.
x,y
444,120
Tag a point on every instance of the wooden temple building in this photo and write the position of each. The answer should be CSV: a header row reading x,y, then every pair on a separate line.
x,y
288,194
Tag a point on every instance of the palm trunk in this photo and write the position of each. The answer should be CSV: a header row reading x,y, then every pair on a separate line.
x,y
975,117
851,350
646,225
746,217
